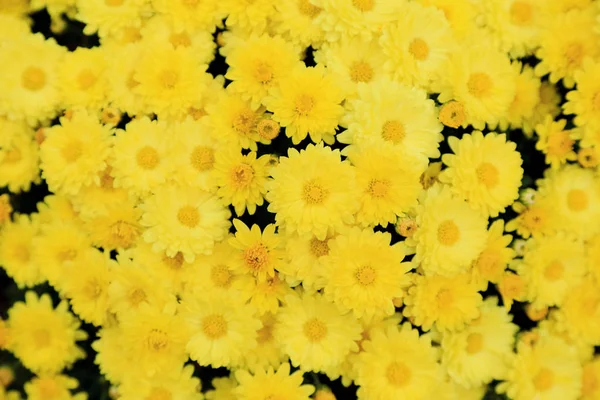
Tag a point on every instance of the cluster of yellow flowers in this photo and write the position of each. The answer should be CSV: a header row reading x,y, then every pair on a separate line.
x,y
292,213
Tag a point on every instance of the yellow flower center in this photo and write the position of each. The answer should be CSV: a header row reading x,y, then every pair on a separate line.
x,y
448,233
244,122
196,113
265,334
319,248
159,394
47,387
174,263
188,216
131,83
21,253
72,151
33,78
521,13
181,39
543,380
314,193
364,5
304,104
214,326
308,9
124,234
488,263
588,158
268,129
577,200
157,340
202,158
114,3
393,131
361,71
66,255
92,289
378,188
41,338
474,343
574,54
444,298
256,257
315,330
419,49
111,116
86,79
220,276
533,219
398,374
560,144
407,227
147,158
169,78
263,73
137,296
452,114
242,175
12,156
365,275
554,271
480,84
487,175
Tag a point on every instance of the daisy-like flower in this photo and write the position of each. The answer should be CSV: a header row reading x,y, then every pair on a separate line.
x,y
356,282
16,240
70,159
549,103
43,337
248,16
265,295
307,102
527,97
584,101
53,387
493,260
294,21
535,219
556,142
82,76
268,352
184,219
398,363
308,201
484,170
260,252
314,333
19,156
118,228
222,328
272,384
143,156
580,312
120,81
257,64
178,383
106,17
449,303
417,44
396,115
241,179
450,234
482,351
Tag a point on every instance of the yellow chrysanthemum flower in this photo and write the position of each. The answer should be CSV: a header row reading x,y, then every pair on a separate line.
x,y
19,156
175,384
108,17
268,351
584,101
307,201
314,333
43,337
579,313
53,387
270,383
114,360
495,257
16,239
82,76
294,21
521,111
248,16
556,142
190,15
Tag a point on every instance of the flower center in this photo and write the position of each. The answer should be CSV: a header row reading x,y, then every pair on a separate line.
x,y
33,78
196,113
444,298
488,263
147,158
180,39
479,84
574,54
448,233
474,343
214,326
124,233
174,263
452,114
559,144
12,156
157,340
554,271
398,374
41,338
407,227
244,122
202,158
315,330
66,255
314,193
21,253
533,218
188,216
92,289
419,49
544,379
319,248
521,13
242,175
159,394
114,3
220,276
361,71
72,151
304,104
487,174
365,275
364,5
268,129
393,131
308,9
577,200
169,78
263,73
256,257
378,188
48,389
86,79
137,296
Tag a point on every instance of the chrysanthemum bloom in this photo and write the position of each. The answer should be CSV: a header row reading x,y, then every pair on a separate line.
x,y
257,64
484,170
417,44
268,351
108,17
190,15
398,363
118,228
314,333
450,234
175,384
248,17
16,239
549,103
294,21
120,82
307,102
82,76
396,115
535,219
184,219
113,358
461,14
19,156
70,159
265,295
389,181
556,142
222,328
584,101
269,383
42,337
53,387
579,313
313,192
492,261
511,287
482,351
364,273
549,369
241,179
521,110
